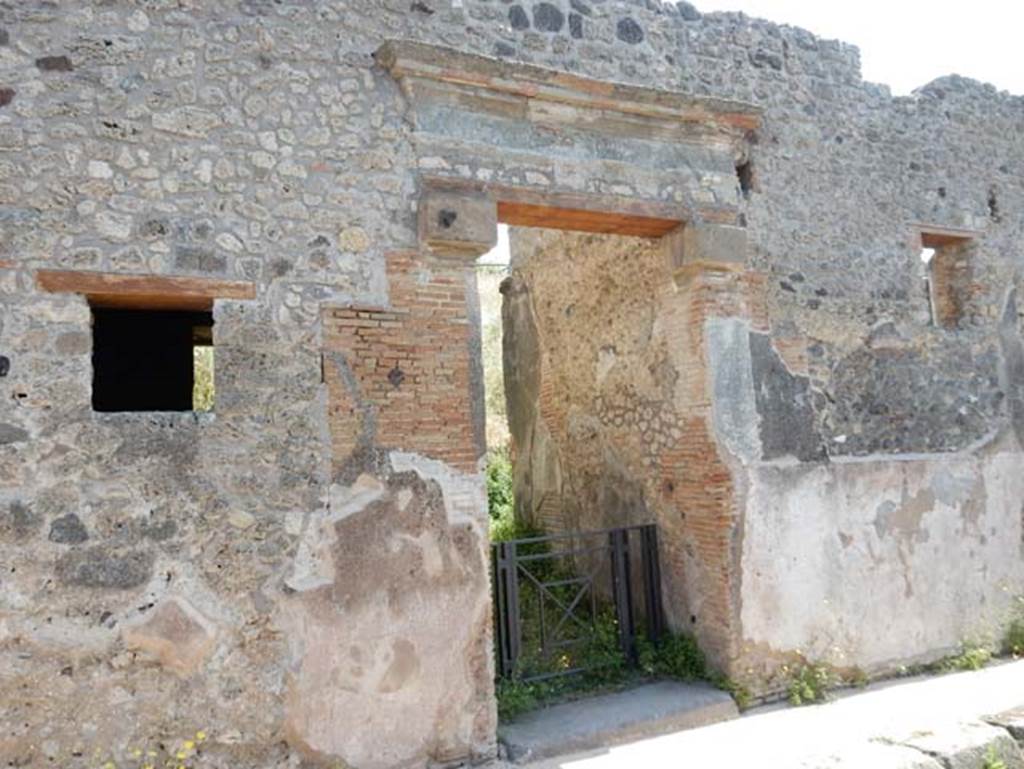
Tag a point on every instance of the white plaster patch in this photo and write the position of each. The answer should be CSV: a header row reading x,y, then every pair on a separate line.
x,y
851,563
605,363
734,409
186,581
346,500
313,566
465,500
100,170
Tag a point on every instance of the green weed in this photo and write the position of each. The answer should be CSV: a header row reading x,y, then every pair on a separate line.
x,y
810,683
674,656
992,760
972,656
1014,641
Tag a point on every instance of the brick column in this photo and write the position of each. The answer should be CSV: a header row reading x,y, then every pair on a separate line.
x,y
416,363
701,540
404,547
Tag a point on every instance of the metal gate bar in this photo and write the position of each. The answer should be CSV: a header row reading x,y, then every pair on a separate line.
x,y
564,579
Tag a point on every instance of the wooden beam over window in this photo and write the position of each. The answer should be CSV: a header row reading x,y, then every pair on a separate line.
x,y
936,236
150,292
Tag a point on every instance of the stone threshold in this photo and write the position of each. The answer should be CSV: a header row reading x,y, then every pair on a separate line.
x,y
647,710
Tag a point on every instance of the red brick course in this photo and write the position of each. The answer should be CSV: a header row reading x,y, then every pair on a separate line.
x,y
409,365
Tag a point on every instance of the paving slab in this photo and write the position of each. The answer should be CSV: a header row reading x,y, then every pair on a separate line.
x,y
1011,720
941,722
644,711
869,755
967,745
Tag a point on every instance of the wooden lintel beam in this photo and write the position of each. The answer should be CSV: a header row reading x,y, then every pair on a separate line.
x,y
151,292
580,212
937,236
583,220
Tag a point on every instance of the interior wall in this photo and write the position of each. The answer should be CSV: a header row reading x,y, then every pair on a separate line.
x,y
606,402
592,408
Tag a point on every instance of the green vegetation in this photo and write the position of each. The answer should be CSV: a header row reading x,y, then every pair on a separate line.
x,y
516,697
606,669
811,683
1013,643
740,693
202,389
972,656
675,656
500,503
992,760
856,678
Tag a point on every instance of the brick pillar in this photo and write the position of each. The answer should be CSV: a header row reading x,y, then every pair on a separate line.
x,y
407,527
414,380
700,537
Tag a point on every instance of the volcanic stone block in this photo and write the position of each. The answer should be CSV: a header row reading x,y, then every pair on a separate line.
x,y
458,224
176,634
715,246
101,567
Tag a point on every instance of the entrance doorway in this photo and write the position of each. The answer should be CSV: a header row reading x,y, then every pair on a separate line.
x,y
582,395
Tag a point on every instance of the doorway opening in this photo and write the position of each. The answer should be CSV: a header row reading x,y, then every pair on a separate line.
x,y
583,388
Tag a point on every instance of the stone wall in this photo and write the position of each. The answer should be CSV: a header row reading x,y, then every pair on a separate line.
x,y
294,578
589,376
608,380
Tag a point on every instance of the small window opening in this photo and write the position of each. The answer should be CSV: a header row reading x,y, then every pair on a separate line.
x,y
947,277
927,254
993,206
745,175
152,360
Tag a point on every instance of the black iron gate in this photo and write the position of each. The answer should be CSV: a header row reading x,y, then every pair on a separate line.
x,y
555,594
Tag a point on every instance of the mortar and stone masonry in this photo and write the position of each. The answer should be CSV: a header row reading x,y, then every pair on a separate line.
x,y
731,335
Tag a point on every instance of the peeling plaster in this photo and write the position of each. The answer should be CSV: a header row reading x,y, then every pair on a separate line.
x,y
465,497
313,566
905,551
734,409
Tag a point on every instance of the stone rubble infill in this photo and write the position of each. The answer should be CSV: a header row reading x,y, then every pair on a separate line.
x,y
956,721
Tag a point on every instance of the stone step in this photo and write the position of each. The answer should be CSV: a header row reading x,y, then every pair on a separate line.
x,y
608,719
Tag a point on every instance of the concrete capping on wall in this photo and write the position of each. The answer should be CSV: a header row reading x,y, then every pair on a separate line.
x,y
405,58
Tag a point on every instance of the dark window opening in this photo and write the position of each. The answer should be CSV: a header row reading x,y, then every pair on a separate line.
x,y
146,360
993,207
745,175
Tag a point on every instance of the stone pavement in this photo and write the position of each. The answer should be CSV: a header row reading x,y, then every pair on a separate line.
x,y
644,711
945,722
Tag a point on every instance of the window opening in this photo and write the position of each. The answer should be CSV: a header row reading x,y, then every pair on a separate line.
x,y
947,277
146,360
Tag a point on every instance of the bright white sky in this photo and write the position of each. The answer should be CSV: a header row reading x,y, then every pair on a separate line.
x,y
907,43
